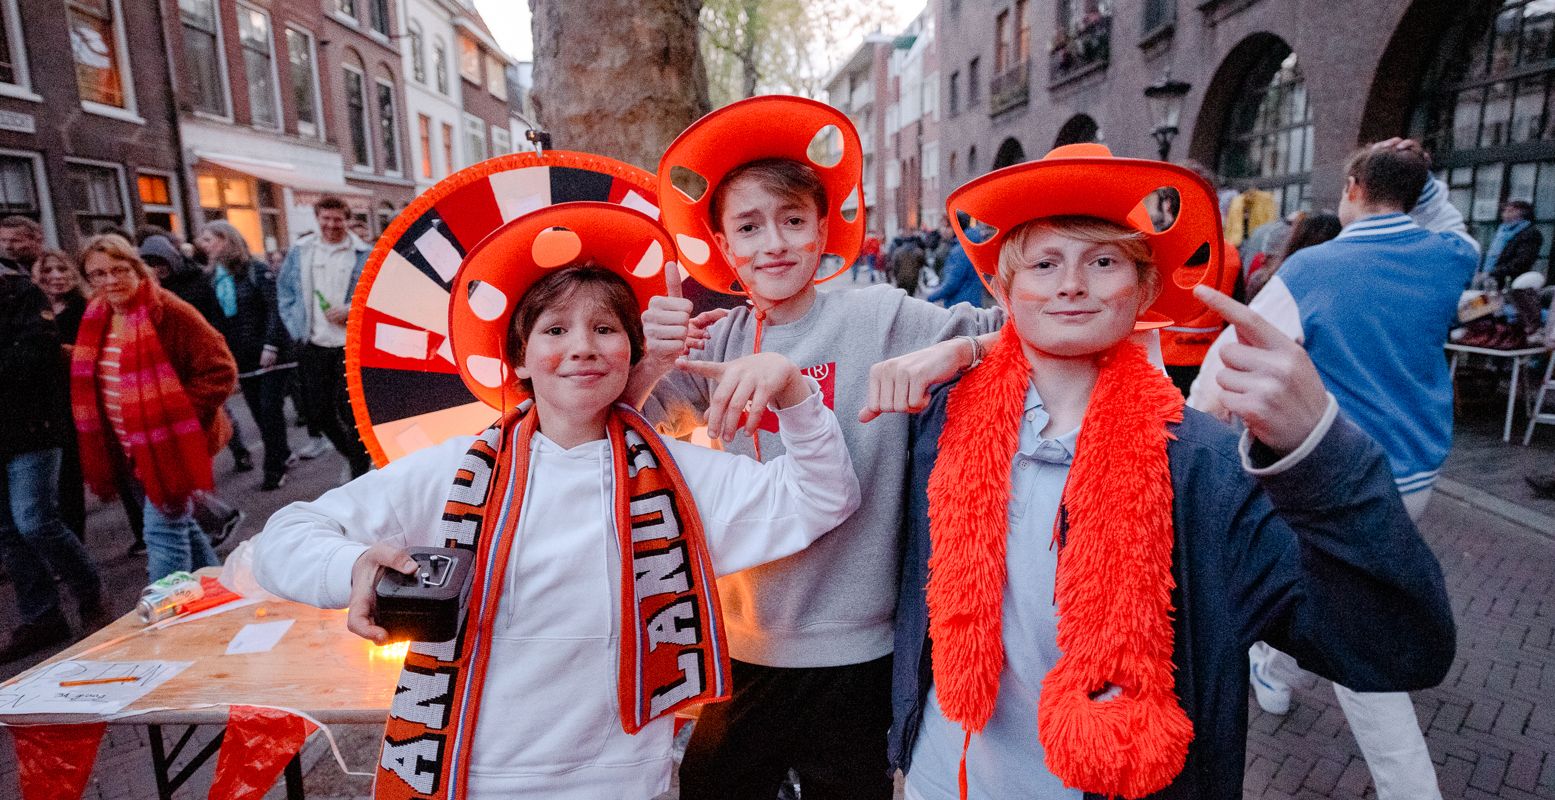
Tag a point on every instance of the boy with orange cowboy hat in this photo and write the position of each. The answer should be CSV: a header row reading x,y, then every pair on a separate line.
x,y
810,635
593,615
1086,561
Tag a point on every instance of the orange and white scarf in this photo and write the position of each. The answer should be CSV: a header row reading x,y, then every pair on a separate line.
x,y
1114,584
673,653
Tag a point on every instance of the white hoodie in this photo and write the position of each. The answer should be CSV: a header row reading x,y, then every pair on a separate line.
x,y
549,725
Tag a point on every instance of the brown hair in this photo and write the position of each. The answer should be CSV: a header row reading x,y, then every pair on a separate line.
x,y
331,202
1390,176
234,253
117,248
577,282
27,223
784,177
1086,229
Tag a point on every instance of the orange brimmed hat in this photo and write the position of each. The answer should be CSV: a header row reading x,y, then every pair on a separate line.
x,y
1087,180
497,272
773,126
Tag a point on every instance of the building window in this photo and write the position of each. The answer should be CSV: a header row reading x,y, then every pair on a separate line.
x,y
156,201
251,206
1001,42
1022,28
440,65
475,139
305,80
19,187
424,136
97,196
1488,115
259,66
388,127
496,78
203,58
379,11
1083,39
8,70
449,165
971,161
955,93
418,55
972,88
469,59
1158,15
346,8
95,45
1267,142
356,118
501,141
13,51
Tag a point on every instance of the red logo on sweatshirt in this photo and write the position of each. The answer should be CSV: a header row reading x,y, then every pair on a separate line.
x,y
826,376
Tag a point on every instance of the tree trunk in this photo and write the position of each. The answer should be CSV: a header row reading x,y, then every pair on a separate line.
x,y
621,78
752,33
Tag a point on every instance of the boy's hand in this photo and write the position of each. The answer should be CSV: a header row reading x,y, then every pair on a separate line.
x,y
1268,379
364,577
901,384
669,329
748,384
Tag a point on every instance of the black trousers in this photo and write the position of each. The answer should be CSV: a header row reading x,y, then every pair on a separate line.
x,y
828,724
266,397
322,373
1183,377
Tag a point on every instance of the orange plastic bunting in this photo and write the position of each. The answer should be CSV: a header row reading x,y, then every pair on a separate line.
x,y
256,747
56,760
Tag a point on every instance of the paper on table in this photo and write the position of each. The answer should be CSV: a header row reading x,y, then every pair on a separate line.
x,y
258,637
41,693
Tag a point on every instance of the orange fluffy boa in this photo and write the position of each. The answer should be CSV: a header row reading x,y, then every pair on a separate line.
x,y
1114,584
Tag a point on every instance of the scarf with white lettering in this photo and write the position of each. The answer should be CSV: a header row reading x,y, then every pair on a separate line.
x,y
673,651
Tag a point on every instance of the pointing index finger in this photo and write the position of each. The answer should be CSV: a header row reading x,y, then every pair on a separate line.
x,y
1251,328
672,279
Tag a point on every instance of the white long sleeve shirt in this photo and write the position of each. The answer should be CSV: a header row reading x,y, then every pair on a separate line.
x,y
549,724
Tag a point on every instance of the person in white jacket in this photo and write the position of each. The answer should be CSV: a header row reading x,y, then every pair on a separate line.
x,y
550,636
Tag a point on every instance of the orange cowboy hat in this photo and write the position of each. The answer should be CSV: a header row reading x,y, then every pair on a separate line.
x,y
497,272
1087,180
771,126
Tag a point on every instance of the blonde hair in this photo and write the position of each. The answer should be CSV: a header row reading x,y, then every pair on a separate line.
x,y
117,248
1086,229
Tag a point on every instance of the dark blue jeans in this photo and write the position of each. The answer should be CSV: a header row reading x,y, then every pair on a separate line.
x,y
33,540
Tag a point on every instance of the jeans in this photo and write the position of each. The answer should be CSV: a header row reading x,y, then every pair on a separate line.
x,y
322,371
265,395
175,542
34,543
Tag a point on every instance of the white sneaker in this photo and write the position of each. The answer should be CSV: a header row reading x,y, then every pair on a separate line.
x,y
315,447
1273,695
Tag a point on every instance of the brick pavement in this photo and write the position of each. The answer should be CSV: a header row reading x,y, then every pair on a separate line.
x,y
1490,726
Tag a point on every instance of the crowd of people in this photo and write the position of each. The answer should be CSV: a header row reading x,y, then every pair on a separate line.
x,y
1032,548
121,364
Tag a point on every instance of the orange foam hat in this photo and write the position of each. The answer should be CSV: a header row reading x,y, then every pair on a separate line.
x,y
497,272
1087,180
771,126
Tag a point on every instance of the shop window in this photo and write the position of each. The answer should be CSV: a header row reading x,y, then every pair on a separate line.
x,y
97,197
251,206
95,46
1267,141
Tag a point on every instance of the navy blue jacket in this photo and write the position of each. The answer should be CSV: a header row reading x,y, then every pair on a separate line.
x,y
1320,561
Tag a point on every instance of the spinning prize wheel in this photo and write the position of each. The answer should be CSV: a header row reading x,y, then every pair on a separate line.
x,y
406,392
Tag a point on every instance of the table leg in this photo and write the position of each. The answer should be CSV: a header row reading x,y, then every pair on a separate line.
x,y
162,761
294,778
1511,399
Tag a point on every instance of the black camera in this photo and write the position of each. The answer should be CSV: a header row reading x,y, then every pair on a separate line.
x,y
429,604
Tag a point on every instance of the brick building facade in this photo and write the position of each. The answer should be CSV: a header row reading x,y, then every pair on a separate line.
x,y
1281,92
91,142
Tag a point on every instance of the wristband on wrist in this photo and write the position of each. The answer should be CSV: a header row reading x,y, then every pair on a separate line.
x,y
977,352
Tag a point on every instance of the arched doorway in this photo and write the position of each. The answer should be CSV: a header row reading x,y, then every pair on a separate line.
x,y
1264,140
1487,113
1080,128
1010,152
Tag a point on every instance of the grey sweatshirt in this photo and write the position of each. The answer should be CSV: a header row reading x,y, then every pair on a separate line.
x,y
833,603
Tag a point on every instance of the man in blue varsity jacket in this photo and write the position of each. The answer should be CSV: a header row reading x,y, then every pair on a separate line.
x,y
1372,308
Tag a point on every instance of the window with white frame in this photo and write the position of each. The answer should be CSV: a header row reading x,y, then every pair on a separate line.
x,y
469,59
156,200
302,62
96,193
440,65
379,13
19,192
496,77
418,54
13,49
346,8
501,141
97,46
356,117
475,139
203,59
388,127
258,44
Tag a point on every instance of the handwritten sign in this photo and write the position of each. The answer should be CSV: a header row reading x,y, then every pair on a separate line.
x,y
90,687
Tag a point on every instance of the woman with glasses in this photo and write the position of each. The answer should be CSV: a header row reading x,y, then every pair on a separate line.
x,y
147,379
